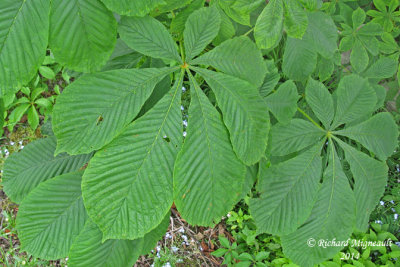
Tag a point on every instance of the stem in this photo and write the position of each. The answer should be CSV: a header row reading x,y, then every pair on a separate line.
x,y
247,33
310,119
182,53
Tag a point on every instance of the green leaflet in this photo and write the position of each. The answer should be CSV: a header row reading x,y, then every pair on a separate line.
x,y
25,170
331,218
370,178
296,20
269,26
355,99
299,51
149,37
227,29
208,177
238,57
359,57
384,67
92,111
24,28
320,101
89,250
82,34
150,239
283,103
288,192
378,134
229,7
198,33
320,38
292,137
132,7
52,216
126,179
271,79
122,57
243,108
178,23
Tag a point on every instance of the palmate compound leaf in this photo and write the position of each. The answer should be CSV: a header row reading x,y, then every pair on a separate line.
x,y
332,218
24,28
95,108
201,28
370,177
148,36
82,34
132,7
52,216
378,134
245,113
269,25
127,187
208,177
25,170
89,250
355,99
238,57
288,191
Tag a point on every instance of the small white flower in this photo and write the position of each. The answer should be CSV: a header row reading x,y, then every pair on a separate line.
x,y
185,123
66,259
12,143
179,261
391,201
182,108
22,147
396,216
158,248
174,249
181,230
183,89
20,142
184,133
378,221
382,203
228,215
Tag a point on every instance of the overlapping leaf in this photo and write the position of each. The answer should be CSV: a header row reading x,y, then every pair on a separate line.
x,y
198,33
24,28
238,57
242,108
208,177
36,163
332,217
52,216
88,248
288,191
132,175
95,108
132,7
82,34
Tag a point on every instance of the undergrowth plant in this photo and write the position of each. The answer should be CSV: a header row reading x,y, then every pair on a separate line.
x,y
267,96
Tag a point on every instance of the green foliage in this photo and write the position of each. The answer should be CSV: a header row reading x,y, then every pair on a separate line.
x,y
192,103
